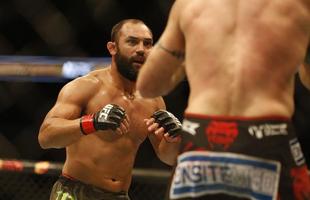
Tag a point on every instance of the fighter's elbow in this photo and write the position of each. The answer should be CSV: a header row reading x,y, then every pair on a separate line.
x,y
144,90
42,142
168,161
146,94
167,158
149,91
44,138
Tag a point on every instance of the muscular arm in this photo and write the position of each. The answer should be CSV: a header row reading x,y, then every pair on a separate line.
x,y
61,126
166,151
164,69
304,73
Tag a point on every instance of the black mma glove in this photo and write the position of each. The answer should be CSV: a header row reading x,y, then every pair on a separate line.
x,y
109,117
168,121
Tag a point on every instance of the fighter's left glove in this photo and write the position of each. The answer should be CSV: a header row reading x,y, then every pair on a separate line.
x,y
168,121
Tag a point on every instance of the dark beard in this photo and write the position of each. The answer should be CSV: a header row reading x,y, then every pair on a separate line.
x,y
125,68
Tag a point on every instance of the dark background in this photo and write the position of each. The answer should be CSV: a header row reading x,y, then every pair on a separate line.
x,y
71,27
79,28
63,28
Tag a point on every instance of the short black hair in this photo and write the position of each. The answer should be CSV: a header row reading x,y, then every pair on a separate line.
x,y
117,27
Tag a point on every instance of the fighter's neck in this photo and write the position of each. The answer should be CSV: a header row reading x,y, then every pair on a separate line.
x,y
123,84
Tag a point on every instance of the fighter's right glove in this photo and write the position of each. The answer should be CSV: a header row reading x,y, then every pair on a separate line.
x,y
109,117
168,121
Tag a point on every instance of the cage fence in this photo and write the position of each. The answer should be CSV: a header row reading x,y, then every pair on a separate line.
x,y
27,180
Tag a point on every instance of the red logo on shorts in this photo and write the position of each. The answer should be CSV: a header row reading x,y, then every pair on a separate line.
x,y
188,146
301,183
221,134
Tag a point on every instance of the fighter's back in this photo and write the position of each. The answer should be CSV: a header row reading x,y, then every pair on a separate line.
x,y
241,55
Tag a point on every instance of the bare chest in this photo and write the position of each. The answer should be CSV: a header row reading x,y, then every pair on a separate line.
x,y
136,108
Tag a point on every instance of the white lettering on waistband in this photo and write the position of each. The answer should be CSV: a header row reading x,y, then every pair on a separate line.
x,y
203,173
267,130
190,127
297,152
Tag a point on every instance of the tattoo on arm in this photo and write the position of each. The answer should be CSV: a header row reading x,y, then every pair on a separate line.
x,y
180,55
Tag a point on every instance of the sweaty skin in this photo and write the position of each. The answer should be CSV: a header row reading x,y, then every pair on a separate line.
x,y
105,158
240,57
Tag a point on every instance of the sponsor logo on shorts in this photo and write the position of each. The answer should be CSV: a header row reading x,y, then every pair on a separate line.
x,y
64,196
190,127
297,152
203,173
267,130
301,183
221,134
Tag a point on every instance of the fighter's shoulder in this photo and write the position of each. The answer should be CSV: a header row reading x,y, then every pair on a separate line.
x,y
87,84
87,81
178,4
90,80
182,6
179,9
100,72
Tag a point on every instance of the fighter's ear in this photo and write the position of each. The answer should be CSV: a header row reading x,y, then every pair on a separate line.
x,y
111,46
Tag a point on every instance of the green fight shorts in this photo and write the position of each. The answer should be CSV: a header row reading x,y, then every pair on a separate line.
x,y
67,188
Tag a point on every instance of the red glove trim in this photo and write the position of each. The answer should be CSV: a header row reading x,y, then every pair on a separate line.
x,y
87,124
